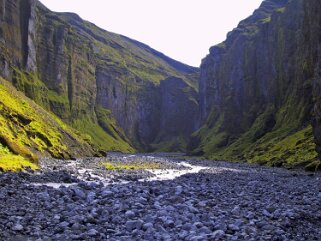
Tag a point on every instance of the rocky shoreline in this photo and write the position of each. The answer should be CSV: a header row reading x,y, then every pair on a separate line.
x,y
222,201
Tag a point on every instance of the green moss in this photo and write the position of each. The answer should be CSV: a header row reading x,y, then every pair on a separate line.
x,y
177,144
26,129
4,150
133,61
147,75
108,123
99,136
274,139
280,10
56,98
293,150
132,166
266,20
31,85
15,163
212,139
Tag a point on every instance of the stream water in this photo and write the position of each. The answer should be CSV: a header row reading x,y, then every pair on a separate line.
x,y
81,169
169,174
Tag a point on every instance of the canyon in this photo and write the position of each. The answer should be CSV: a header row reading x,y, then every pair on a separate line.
x,y
253,98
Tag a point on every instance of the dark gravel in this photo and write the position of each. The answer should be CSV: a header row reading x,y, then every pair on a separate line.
x,y
223,202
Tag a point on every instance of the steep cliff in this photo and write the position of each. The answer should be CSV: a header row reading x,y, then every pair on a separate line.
x,y
105,85
256,88
179,115
313,35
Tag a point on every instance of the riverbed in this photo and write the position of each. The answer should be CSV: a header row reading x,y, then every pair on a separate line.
x,y
178,199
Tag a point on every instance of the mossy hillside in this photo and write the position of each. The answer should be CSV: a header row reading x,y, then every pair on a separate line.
x,y
27,130
262,16
137,58
296,149
99,135
279,142
131,62
11,162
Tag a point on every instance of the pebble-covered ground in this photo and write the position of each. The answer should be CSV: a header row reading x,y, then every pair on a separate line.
x,y
223,201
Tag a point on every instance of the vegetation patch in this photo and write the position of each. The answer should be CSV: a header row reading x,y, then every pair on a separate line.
x,y
177,144
10,162
280,10
274,139
296,149
266,20
89,129
131,166
29,131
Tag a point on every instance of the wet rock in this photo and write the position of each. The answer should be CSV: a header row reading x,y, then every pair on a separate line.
x,y
130,214
147,226
17,227
218,234
92,232
133,224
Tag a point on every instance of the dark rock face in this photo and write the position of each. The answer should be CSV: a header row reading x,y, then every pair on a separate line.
x,y
105,85
313,34
179,113
256,87
135,105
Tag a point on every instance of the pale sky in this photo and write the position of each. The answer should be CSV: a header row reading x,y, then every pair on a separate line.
x,y
181,29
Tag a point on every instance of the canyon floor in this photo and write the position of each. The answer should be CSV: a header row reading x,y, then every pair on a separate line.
x,y
158,197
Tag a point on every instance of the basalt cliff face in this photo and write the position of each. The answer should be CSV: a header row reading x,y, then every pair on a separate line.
x,y
313,33
256,88
113,90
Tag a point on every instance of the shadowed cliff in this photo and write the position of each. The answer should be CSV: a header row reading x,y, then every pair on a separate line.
x,y
256,88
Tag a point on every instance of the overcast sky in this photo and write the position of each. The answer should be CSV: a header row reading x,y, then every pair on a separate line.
x,y
181,29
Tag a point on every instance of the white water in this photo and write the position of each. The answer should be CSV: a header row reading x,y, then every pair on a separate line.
x,y
170,174
159,175
53,184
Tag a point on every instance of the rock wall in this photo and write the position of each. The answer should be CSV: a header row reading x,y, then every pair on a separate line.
x,y
256,88
105,85
313,35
